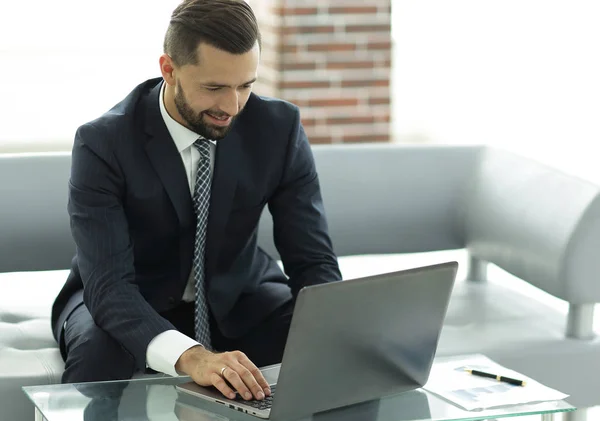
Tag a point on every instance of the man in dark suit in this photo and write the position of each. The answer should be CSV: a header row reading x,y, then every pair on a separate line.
x,y
165,195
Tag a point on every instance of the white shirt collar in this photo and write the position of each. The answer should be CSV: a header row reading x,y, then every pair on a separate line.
x,y
182,136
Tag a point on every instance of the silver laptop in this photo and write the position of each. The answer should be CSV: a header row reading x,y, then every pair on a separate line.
x,y
353,341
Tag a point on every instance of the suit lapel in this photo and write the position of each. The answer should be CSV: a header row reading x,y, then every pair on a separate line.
x,y
166,160
223,186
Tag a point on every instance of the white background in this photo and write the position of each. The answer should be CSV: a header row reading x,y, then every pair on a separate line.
x,y
520,74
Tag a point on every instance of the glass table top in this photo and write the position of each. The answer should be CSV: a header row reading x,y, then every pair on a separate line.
x,y
157,399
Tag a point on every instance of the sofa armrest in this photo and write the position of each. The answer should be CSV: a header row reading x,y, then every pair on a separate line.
x,y
537,223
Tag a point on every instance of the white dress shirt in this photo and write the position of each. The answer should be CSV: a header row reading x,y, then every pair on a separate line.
x,y
166,348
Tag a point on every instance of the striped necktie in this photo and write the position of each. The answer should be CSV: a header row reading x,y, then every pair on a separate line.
x,y
201,205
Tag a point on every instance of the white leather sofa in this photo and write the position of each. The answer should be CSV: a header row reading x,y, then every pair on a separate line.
x,y
389,207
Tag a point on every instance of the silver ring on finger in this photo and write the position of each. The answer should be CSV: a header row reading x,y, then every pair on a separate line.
x,y
223,371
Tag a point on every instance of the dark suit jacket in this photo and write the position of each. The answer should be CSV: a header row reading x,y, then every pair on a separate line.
x,y
134,225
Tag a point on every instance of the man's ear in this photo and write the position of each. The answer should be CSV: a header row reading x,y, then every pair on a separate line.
x,y
167,69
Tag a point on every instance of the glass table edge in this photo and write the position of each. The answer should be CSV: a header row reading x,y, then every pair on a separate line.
x,y
477,415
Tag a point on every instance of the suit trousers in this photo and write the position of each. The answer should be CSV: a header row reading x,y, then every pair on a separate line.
x,y
91,354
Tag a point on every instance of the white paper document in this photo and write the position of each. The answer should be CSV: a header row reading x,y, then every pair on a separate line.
x,y
450,380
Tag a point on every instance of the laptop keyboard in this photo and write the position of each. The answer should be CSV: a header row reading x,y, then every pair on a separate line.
x,y
266,403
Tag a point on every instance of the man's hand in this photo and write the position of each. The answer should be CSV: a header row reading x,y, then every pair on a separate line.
x,y
210,369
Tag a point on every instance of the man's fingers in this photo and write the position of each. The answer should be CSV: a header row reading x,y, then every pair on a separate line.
x,y
236,381
256,373
249,380
233,371
222,386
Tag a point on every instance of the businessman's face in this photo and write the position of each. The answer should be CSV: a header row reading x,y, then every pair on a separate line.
x,y
206,97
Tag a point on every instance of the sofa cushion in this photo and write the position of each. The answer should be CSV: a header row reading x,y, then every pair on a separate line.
x,y
28,353
486,317
25,331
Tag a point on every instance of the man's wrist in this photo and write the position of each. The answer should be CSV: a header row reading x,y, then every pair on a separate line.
x,y
186,359
165,349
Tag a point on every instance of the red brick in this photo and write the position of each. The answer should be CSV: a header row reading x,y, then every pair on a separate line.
x,y
298,65
333,102
353,10
379,45
304,84
369,28
289,48
379,101
366,138
351,120
320,139
365,83
309,122
331,113
351,65
332,47
382,118
324,29
295,11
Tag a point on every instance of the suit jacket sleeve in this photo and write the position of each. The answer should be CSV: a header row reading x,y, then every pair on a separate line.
x,y
104,250
299,223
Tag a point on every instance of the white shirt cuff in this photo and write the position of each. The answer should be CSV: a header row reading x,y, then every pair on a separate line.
x,y
165,349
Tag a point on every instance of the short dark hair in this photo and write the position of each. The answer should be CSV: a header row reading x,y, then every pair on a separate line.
x,y
229,25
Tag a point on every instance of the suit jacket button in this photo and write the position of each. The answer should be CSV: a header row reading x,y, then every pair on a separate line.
x,y
171,300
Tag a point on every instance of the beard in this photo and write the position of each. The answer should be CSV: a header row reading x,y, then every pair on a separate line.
x,y
195,121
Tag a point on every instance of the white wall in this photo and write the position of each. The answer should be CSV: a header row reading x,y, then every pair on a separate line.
x,y
520,74
65,62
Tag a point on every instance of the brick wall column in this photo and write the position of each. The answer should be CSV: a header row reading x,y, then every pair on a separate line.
x,y
332,58
270,22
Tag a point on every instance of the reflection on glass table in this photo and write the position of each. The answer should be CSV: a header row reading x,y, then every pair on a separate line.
x,y
156,399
